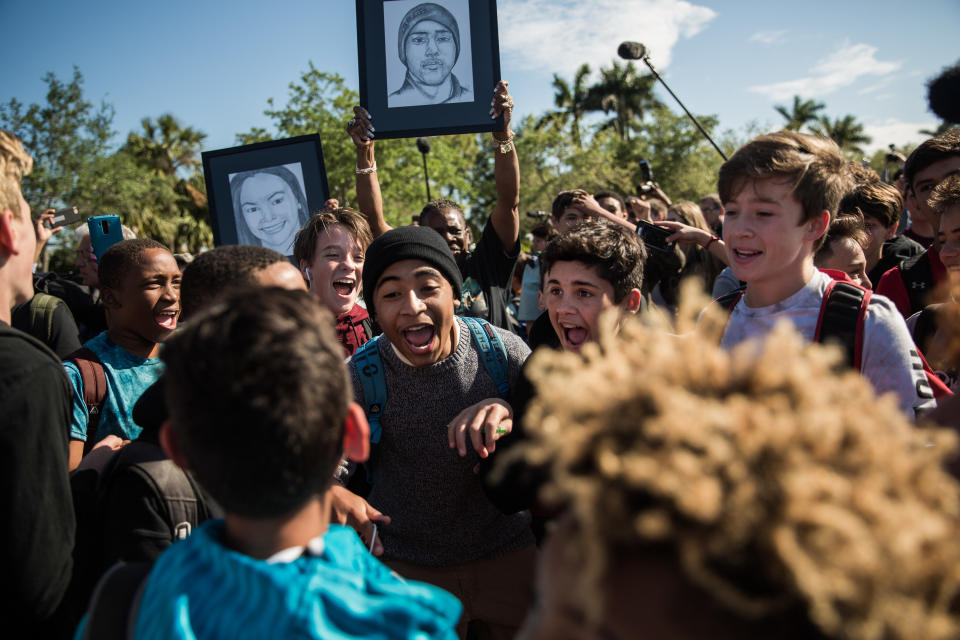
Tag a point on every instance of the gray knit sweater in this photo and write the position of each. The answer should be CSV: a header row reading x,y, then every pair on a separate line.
x,y
439,513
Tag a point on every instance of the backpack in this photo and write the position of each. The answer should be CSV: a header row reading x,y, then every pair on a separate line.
x,y
917,276
842,316
373,384
184,507
94,381
112,614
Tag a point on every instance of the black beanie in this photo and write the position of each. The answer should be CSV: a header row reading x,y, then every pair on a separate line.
x,y
408,243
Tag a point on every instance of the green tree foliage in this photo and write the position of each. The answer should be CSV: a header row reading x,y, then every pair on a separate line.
x,y
623,91
70,140
801,114
572,100
65,136
320,102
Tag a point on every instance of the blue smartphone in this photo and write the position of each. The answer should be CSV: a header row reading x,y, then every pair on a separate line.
x,y
105,231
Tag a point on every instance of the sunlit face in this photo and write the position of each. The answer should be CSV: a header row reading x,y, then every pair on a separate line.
x,y
270,210
570,218
414,308
948,239
575,295
450,224
847,256
877,234
147,304
431,52
767,246
336,272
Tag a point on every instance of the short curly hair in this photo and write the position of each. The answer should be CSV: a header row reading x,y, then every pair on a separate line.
x,y
777,482
946,195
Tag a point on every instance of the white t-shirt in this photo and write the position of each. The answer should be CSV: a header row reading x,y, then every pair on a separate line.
x,y
890,360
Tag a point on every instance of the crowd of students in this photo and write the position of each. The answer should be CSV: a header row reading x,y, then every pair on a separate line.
x,y
358,443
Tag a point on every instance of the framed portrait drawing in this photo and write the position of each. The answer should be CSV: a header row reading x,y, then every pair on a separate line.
x,y
262,194
428,68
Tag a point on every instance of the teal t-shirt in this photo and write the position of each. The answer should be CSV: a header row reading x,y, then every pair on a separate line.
x,y
200,589
128,376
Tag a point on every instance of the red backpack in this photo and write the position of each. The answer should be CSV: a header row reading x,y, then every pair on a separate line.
x,y
842,315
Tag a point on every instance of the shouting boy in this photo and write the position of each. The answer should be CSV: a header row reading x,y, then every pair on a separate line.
x,y
780,192
432,386
140,288
330,251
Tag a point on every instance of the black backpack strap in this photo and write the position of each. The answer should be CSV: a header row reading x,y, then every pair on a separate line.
x,y
169,482
729,300
94,389
112,614
917,276
842,314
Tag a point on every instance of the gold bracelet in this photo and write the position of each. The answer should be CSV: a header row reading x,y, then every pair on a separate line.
x,y
367,171
504,146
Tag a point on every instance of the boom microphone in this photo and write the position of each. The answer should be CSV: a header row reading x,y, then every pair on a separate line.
x,y
636,51
632,51
423,145
943,94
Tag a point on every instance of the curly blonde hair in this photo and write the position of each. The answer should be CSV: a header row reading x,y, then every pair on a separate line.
x,y
762,463
15,163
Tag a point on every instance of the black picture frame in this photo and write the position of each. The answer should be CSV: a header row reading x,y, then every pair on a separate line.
x,y
428,119
222,164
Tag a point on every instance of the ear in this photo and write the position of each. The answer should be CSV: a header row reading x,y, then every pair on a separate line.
x,y
168,442
892,231
817,225
631,302
110,298
8,233
356,434
540,304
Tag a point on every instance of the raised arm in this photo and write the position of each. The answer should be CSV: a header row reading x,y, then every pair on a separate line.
x,y
587,205
369,200
506,213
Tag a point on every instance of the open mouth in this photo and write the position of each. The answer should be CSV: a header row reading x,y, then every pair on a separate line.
x,y
419,337
344,286
574,335
746,254
167,319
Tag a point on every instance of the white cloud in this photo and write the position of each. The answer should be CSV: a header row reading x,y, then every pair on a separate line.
x,y
558,36
840,69
891,130
772,36
876,86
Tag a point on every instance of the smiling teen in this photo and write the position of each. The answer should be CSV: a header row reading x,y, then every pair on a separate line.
x,y
439,399
140,288
330,252
780,192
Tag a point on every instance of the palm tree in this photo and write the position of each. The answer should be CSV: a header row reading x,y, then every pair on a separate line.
x,y
571,102
802,113
165,145
628,94
845,131
942,128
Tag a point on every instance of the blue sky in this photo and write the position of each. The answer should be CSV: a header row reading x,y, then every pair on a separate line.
x,y
214,64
